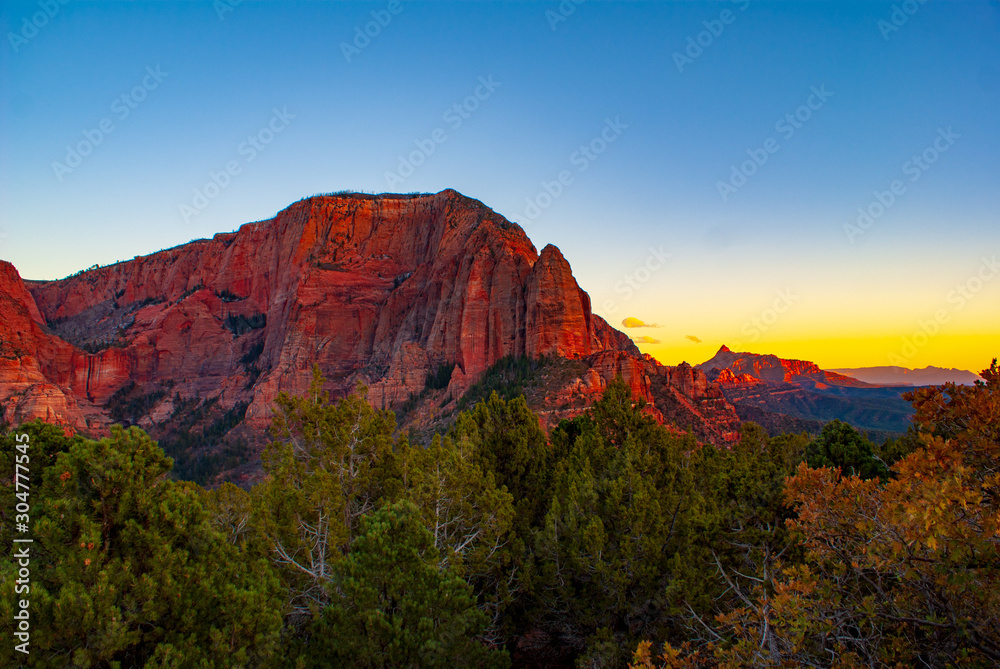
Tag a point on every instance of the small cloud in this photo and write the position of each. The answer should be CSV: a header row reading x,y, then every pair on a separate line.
x,y
645,339
693,338
633,322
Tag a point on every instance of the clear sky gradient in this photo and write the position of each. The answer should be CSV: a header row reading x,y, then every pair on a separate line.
x,y
666,98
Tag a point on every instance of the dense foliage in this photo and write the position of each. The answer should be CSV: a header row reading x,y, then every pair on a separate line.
x,y
892,573
127,568
612,539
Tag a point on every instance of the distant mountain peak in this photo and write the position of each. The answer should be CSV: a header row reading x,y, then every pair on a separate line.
x,y
771,368
796,395
928,376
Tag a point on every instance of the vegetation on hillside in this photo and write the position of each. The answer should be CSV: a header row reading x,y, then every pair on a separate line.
x,y
610,542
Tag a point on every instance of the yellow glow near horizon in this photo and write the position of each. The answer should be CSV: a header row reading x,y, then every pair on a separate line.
x,y
862,320
909,306
972,352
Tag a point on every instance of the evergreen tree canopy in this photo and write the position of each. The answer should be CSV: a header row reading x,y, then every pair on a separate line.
x,y
127,568
392,605
617,515
330,464
840,445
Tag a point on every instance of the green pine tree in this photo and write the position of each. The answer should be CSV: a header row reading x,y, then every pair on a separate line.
x,y
330,464
470,518
394,605
617,515
840,445
127,569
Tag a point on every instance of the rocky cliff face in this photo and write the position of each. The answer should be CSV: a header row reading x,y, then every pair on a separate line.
x,y
42,376
379,290
747,369
726,377
796,395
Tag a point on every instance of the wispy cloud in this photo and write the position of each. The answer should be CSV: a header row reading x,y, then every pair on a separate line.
x,y
693,338
633,322
645,339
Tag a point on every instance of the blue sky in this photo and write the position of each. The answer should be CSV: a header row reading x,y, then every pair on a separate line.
x,y
769,267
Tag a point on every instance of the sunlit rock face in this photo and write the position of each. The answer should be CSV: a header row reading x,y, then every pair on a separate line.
x,y
376,290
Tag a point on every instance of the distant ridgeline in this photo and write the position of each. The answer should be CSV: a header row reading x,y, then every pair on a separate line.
x,y
796,395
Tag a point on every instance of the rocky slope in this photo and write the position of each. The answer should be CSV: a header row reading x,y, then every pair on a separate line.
x,y
795,395
380,290
750,368
42,376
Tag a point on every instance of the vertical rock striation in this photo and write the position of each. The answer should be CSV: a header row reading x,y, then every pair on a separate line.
x,y
379,290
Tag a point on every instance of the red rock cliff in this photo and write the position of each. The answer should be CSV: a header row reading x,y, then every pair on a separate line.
x,y
746,369
375,289
41,376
